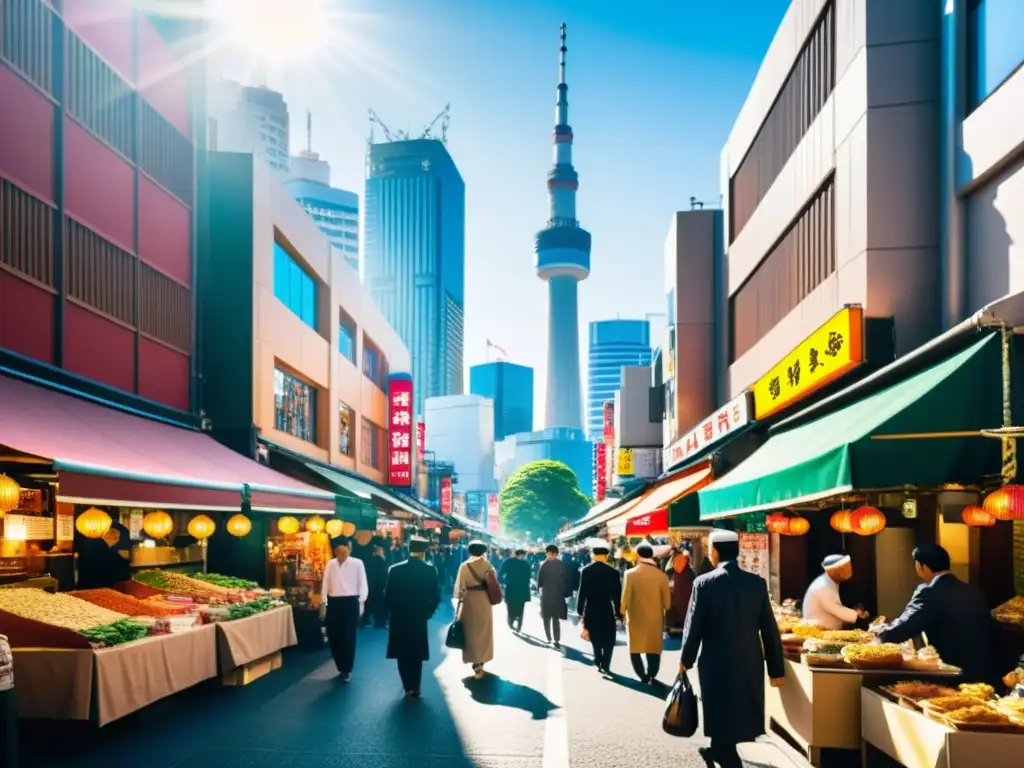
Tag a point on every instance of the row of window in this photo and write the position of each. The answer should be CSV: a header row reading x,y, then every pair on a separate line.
x,y
164,154
375,365
26,234
801,98
99,273
294,286
800,261
26,40
98,98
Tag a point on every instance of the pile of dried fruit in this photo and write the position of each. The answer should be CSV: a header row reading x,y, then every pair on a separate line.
x,y
59,610
130,606
179,584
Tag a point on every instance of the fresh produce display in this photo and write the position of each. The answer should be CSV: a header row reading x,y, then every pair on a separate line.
x,y
59,610
130,606
244,610
123,631
228,582
180,584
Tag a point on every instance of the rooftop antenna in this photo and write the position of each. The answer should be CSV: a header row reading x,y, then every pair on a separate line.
x,y
309,131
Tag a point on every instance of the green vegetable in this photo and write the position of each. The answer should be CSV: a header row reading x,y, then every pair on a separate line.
x,y
153,579
245,610
228,582
121,631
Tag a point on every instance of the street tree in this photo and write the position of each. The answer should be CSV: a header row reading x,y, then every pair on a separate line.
x,y
539,497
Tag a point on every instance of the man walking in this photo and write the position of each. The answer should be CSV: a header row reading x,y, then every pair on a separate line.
x,y
554,587
646,599
412,596
344,592
515,577
376,580
599,605
731,622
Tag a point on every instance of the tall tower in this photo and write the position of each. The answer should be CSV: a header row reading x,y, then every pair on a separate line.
x,y
563,259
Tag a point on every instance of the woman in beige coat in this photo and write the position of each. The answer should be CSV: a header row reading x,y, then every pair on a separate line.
x,y
646,598
476,611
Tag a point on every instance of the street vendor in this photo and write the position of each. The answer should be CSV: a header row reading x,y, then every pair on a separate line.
x,y
822,602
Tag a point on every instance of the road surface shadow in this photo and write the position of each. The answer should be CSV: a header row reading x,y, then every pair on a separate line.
x,y
498,692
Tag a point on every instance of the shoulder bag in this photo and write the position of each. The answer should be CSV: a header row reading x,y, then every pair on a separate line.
x,y
490,584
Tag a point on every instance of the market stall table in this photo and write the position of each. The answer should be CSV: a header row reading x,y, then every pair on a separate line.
x,y
254,638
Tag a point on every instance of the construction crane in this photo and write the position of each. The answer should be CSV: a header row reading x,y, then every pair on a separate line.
x,y
444,116
428,132
398,136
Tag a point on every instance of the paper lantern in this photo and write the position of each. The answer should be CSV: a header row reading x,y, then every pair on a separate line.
x,y
315,524
93,523
288,525
798,526
777,523
348,529
867,521
158,524
201,527
239,525
840,521
364,537
1006,503
334,527
978,517
10,495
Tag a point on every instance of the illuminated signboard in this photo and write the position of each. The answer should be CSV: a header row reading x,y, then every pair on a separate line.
x,y
421,441
609,422
836,348
493,516
446,495
600,471
624,467
717,426
400,427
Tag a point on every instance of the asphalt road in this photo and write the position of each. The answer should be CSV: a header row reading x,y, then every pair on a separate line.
x,y
539,708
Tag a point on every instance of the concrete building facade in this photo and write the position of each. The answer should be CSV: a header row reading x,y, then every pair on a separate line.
x,y
460,429
250,119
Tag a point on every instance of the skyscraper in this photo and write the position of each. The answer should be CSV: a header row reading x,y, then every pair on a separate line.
x,y
613,344
510,386
563,259
414,254
250,119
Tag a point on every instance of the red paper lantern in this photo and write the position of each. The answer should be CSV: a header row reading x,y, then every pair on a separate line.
x,y
798,526
776,523
977,517
840,521
1006,503
867,521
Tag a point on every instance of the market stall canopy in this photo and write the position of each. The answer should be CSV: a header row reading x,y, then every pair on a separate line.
x,y
111,457
467,524
657,498
922,431
379,496
596,516
652,524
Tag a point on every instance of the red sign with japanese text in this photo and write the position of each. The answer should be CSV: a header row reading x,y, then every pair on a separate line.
x,y
600,471
717,426
400,428
609,422
446,495
421,441
493,516
652,524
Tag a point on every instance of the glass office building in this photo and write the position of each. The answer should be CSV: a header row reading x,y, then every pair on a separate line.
x,y
613,344
414,255
335,211
510,386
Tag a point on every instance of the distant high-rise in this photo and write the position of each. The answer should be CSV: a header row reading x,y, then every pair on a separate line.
x,y
510,386
563,259
414,256
250,119
613,344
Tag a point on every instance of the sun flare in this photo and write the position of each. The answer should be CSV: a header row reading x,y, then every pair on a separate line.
x,y
277,30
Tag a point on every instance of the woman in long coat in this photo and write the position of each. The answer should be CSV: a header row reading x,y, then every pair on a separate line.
x,y
476,611
645,600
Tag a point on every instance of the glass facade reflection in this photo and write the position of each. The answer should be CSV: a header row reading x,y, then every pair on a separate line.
x,y
613,344
995,45
294,287
294,406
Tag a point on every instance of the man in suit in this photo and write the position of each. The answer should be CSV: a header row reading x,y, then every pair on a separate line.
x,y
376,580
515,578
412,595
599,605
954,615
730,621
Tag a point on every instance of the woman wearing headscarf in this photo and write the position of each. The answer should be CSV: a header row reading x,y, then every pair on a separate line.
x,y
682,587
475,609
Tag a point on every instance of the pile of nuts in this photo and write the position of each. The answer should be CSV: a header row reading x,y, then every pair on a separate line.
x,y
58,610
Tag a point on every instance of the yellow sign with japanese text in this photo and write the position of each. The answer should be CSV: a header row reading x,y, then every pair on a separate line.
x,y
624,467
834,349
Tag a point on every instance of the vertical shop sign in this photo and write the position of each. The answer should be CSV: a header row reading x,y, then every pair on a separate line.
x,y
754,556
446,495
600,471
400,428
625,467
421,441
609,422
493,510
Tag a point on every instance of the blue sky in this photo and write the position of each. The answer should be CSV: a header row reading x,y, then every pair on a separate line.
x,y
654,87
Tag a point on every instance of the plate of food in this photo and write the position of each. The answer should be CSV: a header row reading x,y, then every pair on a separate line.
x,y
943,705
925,660
822,653
981,717
847,636
917,691
866,656
979,691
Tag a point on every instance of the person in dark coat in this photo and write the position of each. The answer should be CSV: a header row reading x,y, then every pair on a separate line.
x,y
730,621
599,605
515,578
682,587
954,615
411,596
554,582
376,580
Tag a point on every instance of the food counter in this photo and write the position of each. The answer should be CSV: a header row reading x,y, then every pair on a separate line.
x,y
246,640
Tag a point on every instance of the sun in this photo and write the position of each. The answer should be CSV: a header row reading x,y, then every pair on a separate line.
x,y
276,30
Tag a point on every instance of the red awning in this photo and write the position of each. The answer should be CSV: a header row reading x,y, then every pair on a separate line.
x,y
106,456
652,524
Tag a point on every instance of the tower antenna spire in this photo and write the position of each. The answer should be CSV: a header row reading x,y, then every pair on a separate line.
x,y
561,57
309,130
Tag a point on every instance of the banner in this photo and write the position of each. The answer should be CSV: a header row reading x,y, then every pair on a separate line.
x,y
421,441
625,467
754,554
400,430
493,517
600,471
609,422
446,495
716,427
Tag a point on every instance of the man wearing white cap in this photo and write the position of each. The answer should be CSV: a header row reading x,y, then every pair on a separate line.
x,y
822,602
730,621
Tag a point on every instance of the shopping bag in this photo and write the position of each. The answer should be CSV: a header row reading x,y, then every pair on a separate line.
x,y
680,717
456,636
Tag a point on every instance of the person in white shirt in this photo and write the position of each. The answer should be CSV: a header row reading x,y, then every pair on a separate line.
x,y
822,602
343,594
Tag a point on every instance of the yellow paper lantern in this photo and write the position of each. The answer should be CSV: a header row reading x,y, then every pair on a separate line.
x,y
798,526
334,527
840,521
348,529
239,525
288,525
158,524
10,494
315,524
364,537
201,527
93,523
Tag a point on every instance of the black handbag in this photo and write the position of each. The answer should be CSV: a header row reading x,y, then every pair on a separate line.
x,y
680,718
456,636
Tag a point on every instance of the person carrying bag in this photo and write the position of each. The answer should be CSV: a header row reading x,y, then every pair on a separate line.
x,y
680,718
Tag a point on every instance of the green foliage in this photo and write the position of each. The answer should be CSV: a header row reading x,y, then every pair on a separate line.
x,y
539,497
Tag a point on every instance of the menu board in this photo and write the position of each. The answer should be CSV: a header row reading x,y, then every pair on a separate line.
x,y
1018,556
28,528
65,528
754,554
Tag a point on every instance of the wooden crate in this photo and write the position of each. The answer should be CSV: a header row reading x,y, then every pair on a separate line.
x,y
254,670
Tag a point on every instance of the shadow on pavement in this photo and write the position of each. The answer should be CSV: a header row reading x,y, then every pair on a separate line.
x,y
495,691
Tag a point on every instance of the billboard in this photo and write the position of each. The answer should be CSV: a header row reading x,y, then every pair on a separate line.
x,y
493,519
446,495
400,427
421,441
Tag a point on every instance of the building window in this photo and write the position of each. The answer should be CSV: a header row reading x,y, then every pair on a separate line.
x,y
995,45
294,406
26,234
347,337
807,88
802,259
375,366
98,273
346,430
164,154
374,439
98,98
165,309
26,39
294,286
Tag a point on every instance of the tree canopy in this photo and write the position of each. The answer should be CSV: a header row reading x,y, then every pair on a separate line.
x,y
539,497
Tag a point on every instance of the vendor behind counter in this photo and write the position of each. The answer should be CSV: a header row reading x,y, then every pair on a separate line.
x,y
104,562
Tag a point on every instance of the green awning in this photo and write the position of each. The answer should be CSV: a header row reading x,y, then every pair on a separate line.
x,y
848,449
358,497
